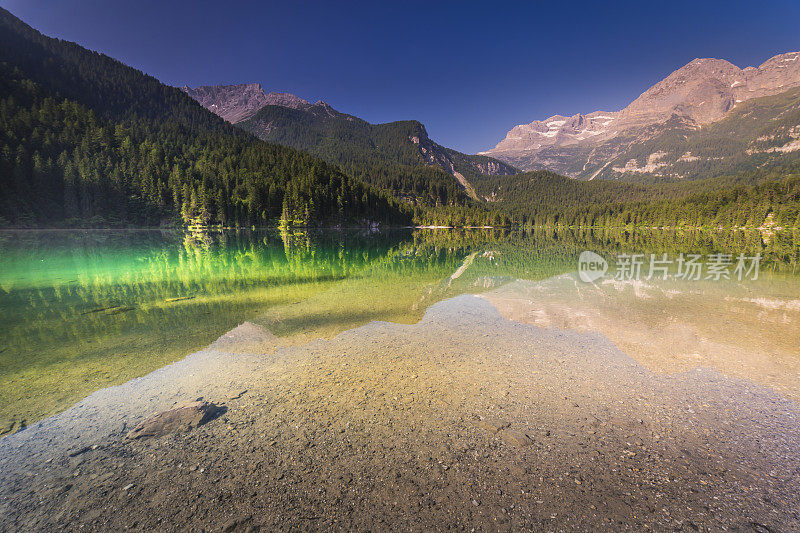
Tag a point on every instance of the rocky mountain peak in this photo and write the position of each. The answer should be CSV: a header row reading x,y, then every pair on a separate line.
x,y
239,102
285,100
780,60
419,130
701,92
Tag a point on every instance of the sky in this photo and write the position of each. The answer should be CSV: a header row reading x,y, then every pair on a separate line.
x,y
469,71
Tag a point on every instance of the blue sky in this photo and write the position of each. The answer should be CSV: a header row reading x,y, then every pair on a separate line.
x,y
468,70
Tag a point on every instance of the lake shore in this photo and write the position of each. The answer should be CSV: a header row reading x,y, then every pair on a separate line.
x,y
465,419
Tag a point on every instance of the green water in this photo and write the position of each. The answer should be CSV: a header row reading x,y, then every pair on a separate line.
x,y
81,310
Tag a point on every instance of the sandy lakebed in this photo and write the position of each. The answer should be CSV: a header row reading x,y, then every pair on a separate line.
x,y
465,420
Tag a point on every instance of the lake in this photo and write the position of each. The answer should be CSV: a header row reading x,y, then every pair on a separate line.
x,y
82,310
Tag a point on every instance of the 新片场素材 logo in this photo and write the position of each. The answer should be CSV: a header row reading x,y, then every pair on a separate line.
x,y
717,266
591,266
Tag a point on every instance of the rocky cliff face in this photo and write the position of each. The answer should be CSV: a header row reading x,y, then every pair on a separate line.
x,y
235,103
700,93
455,162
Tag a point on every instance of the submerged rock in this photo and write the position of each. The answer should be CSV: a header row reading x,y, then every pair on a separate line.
x,y
183,417
12,427
247,338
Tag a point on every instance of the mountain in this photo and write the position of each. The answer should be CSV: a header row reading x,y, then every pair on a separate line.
x,y
671,130
397,156
87,140
235,103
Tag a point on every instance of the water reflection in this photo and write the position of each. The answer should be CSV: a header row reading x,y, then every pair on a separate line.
x,y
744,330
83,310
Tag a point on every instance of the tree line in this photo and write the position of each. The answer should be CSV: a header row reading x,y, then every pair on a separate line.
x,y
85,139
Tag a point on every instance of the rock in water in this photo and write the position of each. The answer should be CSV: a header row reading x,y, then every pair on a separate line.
x,y
183,417
247,338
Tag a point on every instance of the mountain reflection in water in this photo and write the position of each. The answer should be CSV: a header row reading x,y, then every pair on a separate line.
x,y
82,310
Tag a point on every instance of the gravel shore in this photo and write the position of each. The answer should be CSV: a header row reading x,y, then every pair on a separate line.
x,y
464,420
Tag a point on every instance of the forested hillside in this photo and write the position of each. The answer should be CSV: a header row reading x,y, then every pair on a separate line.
x,y
397,156
747,199
86,139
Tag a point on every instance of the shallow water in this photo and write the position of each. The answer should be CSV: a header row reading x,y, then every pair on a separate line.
x,y
745,330
81,310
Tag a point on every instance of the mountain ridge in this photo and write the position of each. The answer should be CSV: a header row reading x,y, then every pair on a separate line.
x,y
87,140
238,102
700,93
323,131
